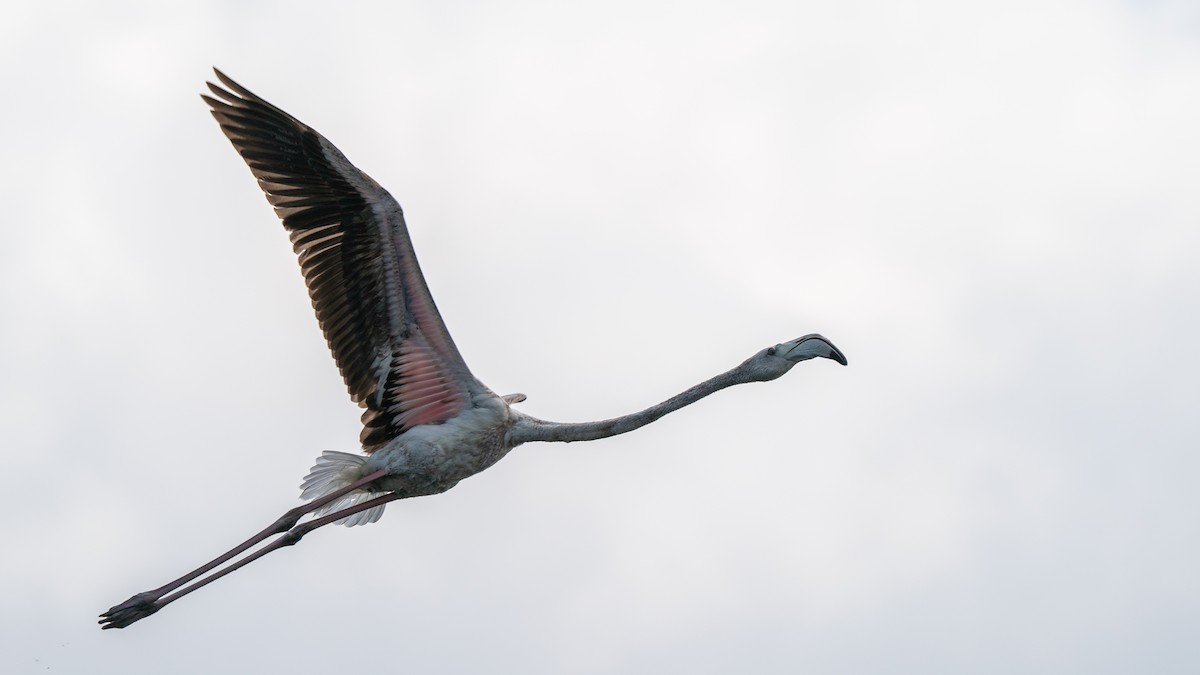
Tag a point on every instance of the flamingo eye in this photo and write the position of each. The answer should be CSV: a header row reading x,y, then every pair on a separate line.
x,y
770,351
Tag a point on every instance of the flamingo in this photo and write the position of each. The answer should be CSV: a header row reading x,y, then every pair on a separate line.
x,y
428,422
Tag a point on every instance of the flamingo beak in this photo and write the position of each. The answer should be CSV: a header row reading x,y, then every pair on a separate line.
x,y
814,345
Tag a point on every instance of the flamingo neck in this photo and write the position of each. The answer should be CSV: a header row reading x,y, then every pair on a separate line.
x,y
533,429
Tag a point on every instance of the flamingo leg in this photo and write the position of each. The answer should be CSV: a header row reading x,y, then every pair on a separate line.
x,y
144,604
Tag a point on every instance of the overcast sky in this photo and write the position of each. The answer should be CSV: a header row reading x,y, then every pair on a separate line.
x,y
992,208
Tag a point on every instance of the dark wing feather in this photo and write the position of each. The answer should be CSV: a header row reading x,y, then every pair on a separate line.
x,y
370,297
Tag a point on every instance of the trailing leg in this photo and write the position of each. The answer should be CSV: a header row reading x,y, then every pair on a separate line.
x,y
144,604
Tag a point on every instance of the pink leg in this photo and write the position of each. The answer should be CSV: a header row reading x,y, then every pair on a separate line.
x,y
144,604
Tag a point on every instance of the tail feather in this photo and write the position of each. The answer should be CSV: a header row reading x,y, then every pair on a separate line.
x,y
334,471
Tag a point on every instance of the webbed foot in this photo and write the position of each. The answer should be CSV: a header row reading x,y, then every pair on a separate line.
x,y
134,609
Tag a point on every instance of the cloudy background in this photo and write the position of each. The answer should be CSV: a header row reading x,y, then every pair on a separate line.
x,y
992,208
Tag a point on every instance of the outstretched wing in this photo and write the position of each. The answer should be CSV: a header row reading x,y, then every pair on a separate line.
x,y
382,326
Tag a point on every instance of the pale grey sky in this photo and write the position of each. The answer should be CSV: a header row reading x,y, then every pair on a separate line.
x,y
990,207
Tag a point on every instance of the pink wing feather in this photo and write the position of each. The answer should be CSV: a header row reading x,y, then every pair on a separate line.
x,y
370,297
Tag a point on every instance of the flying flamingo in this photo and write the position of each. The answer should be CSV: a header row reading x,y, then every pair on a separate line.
x,y
428,422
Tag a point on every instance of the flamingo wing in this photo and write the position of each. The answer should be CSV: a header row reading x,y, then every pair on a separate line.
x,y
371,300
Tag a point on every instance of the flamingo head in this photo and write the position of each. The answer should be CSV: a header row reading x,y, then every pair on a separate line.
x,y
773,362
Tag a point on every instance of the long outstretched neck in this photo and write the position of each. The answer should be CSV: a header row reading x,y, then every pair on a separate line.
x,y
767,364
533,429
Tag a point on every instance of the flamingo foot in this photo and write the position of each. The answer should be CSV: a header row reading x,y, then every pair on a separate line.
x,y
134,609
